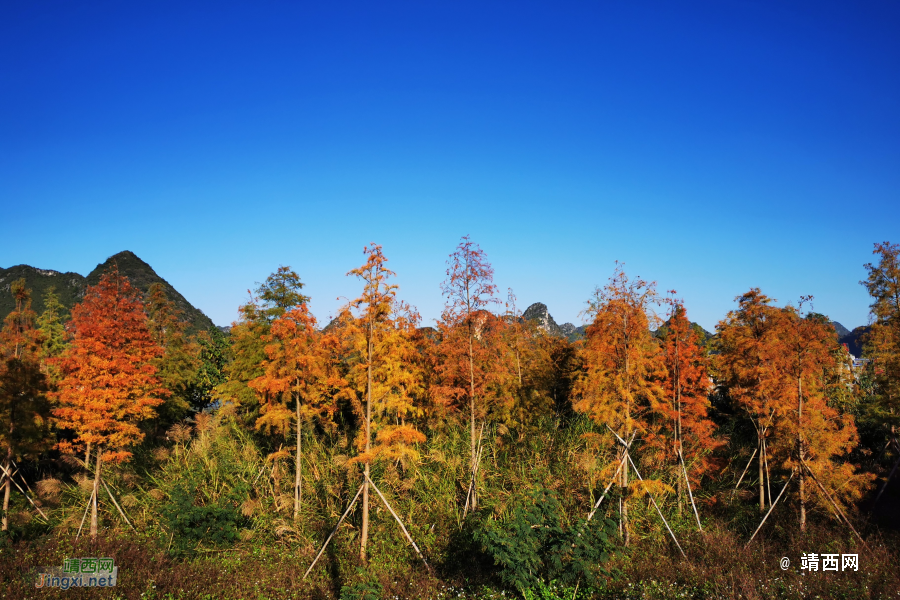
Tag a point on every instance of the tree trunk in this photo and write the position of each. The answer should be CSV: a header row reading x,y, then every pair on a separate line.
x,y
762,472
472,442
679,449
96,494
364,533
627,436
680,493
800,452
298,491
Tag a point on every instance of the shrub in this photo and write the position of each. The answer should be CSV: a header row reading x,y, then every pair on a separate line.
x,y
532,546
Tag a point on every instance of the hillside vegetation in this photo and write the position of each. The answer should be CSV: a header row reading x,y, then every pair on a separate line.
x,y
490,456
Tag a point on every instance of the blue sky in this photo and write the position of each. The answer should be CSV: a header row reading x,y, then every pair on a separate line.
x,y
710,146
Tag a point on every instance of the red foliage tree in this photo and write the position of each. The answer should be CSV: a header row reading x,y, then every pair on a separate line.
x,y
684,436
469,339
109,382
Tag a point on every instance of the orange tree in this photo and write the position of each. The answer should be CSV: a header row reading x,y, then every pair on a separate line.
x,y
619,385
523,372
24,408
683,435
811,435
883,340
109,382
747,368
381,375
467,364
298,382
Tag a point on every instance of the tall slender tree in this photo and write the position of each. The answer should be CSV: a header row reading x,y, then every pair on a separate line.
x,y
812,435
620,385
466,327
279,293
179,364
685,433
298,383
24,408
747,367
883,340
51,322
381,378
109,382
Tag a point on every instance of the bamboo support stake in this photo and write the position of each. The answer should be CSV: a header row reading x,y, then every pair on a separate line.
x,y
602,496
749,462
771,508
86,509
113,498
18,487
333,531
690,493
833,503
619,468
597,504
474,469
469,492
652,499
656,506
400,523
22,477
768,477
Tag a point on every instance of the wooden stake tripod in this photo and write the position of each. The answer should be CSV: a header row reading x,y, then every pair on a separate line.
x,y
627,457
91,499
347,512
838,511
9,475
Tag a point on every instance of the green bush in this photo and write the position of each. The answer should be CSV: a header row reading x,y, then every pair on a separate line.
x,y
193,521
367,588
532,546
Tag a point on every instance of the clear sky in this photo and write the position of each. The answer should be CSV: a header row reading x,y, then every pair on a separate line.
x,y
710,146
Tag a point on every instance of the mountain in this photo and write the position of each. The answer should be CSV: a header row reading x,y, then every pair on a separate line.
x,y
538,312
71,286
703,335
142,276
853,339
841,330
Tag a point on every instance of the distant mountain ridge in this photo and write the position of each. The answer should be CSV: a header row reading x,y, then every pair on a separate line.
x,y
853,339
70,287
539,312
546,323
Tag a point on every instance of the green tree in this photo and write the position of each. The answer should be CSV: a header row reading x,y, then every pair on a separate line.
x,y
883,341
213,358
178,367
24,408
52,325
278,294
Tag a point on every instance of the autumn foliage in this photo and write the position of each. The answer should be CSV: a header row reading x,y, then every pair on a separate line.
x,y
479,413
684,436
109,383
